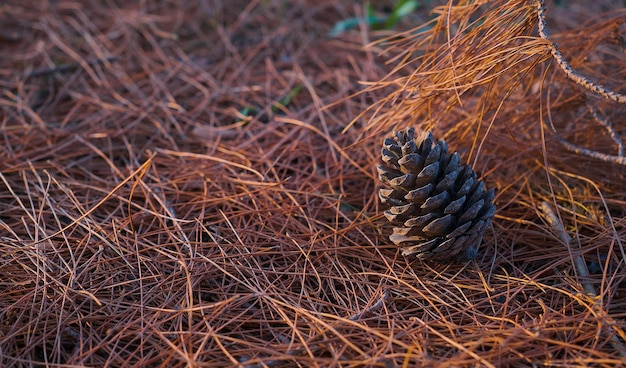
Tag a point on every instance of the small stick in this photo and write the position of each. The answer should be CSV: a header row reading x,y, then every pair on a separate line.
x,y
581,268
621,160
606,123
566,67
579,261
588,84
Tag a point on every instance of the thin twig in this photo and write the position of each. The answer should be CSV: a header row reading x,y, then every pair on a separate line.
x,y
606,123
566,67
621,160
581,268
579,261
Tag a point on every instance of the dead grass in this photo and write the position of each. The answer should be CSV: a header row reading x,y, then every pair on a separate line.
x,y
145,220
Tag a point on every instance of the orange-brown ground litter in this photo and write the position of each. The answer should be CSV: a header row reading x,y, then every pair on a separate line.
x,y
193,183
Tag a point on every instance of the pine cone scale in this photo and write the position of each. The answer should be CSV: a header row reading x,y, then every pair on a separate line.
x,y
472,211
440,226
420,221
420,194
460,230
454,206
447,182
438,200
412,162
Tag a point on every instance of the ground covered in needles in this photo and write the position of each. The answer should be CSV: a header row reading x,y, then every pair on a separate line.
x,y
193,183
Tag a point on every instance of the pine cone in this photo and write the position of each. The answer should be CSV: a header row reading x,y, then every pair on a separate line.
x,y
441,207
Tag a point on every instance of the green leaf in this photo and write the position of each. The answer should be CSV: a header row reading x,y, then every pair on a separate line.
x,y
347,207
402,9
351,23
369,11
248,111
292,94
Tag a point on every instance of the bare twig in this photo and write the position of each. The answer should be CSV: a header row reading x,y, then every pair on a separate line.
x,y
581,268
579,261
621,160
566,67
608,125
590,85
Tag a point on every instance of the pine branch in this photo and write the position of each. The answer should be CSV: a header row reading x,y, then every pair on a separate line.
x,y
566,67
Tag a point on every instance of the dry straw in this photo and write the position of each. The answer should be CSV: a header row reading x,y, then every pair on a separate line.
x,y
163,205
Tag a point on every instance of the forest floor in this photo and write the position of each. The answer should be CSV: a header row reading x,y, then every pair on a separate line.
x,y
194,183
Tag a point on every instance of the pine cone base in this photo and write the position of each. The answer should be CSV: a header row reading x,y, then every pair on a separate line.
x,y
440,207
